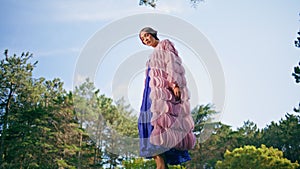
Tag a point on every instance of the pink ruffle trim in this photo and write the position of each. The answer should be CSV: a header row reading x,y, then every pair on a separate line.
x,y
172,121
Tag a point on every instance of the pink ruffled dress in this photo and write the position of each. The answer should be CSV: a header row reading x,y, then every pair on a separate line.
x,y
165,122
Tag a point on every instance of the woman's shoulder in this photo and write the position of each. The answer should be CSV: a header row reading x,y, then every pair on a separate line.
x,y
167,42
167,45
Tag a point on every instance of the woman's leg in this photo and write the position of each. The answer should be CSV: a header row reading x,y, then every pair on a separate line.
x,y
165,161
160,162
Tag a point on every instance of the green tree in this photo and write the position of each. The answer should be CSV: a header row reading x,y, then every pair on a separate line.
x,y
213,137
122,129
38,126
255,158
64,128
203,116
138,163
127,130
108,124
15,72
249,134
296,72
86,103
284,135
43,136
215,146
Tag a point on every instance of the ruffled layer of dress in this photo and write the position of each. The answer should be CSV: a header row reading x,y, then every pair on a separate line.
x,y
147,149
172,120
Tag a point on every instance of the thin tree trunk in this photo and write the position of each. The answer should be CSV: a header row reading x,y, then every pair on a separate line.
x,y
79,153
95,155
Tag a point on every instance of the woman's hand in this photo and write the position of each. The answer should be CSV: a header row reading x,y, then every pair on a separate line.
x,y
176,91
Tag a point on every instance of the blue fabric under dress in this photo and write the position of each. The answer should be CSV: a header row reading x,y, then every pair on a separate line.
x,y
148,150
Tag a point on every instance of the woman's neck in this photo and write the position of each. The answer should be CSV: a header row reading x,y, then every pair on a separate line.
x,y
155,43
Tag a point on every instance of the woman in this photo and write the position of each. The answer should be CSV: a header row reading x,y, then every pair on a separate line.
x,y
165,123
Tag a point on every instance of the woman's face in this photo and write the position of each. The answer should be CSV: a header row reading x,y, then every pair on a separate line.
x,y
148,39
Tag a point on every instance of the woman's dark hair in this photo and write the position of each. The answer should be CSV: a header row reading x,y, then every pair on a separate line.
x,y
151,31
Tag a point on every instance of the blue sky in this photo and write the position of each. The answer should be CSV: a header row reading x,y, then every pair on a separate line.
x,y
253,39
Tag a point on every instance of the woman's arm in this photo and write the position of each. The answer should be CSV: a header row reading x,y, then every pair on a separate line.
x,y
173,68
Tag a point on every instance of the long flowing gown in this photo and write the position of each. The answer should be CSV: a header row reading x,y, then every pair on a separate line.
x,y
147,149
165,126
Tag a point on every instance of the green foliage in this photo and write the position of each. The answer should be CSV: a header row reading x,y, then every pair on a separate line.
x,y
15,74
152,3
249,134
205,128
214,137
203,118
210,151
297,42
38,127
252,157
296,72
138,163
107,124
284,135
